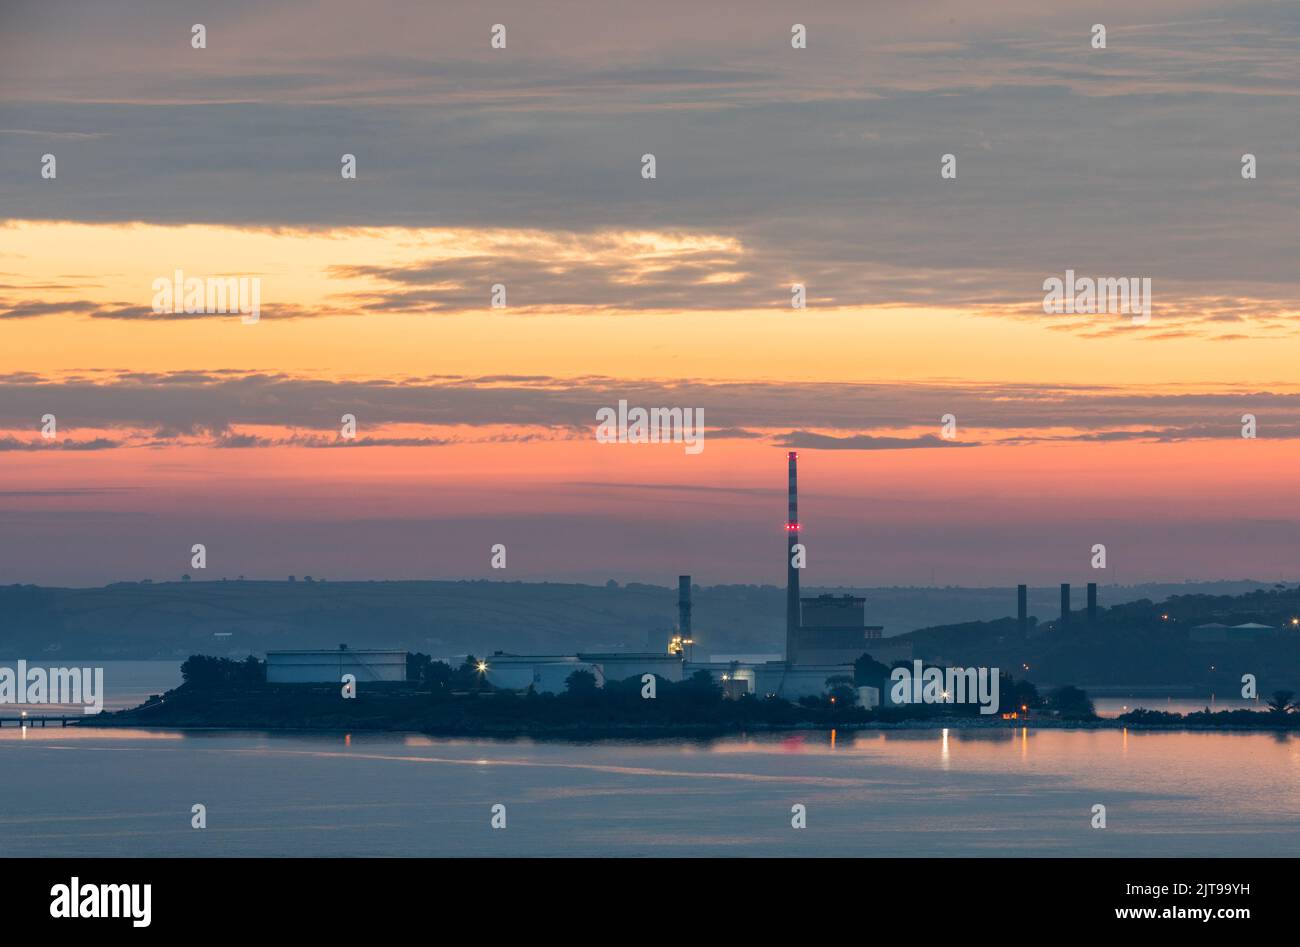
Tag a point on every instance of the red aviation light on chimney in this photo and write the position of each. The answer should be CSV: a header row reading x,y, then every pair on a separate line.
x,y
792,527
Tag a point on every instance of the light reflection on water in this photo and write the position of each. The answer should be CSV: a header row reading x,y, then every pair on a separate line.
x,y
925,792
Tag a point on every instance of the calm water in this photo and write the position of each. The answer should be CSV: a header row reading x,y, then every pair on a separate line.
x,y
71,792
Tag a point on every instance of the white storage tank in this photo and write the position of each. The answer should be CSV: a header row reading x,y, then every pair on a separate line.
x,y
328,667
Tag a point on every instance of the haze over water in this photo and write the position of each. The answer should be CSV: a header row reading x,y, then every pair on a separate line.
x,y
99,793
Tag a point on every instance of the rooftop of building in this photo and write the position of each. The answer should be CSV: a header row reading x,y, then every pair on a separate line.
x,y
592,656
1249,626
338,651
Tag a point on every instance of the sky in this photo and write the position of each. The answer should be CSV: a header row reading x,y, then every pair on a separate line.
x,y
522,167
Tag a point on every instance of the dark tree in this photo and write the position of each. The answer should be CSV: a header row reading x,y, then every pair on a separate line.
x,y
701,689
439,677
1281,702
581,683
841,692
417,667
868,672
201,670
1071,703
1017,696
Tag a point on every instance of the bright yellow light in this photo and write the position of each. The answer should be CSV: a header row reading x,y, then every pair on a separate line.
x,y
482,666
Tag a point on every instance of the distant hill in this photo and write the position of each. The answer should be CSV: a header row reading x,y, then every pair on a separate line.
x,y
238,617
1138,645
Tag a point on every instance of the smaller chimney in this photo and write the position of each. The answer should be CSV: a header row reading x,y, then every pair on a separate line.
x,y
1092,603
1065,603
684,606
1022,609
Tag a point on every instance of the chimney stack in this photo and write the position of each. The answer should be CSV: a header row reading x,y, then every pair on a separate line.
x,y
1022,609
1092,603
1065,603
791,573
684,606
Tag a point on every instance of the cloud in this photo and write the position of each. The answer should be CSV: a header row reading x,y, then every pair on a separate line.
x,y
821,166
812,441
10,443
266,410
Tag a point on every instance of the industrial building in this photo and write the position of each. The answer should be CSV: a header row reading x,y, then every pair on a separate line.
x,y
825,634
546,674
792,681
833,630
328,667
735,677
827,630
549,674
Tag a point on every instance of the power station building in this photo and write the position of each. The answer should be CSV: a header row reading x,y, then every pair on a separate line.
x,y
549,674
833,630
824,635
826,630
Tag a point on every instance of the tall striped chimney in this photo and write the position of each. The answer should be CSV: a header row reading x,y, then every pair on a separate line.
x,y
791,573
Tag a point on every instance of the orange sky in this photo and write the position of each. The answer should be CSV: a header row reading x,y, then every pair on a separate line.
x,y
116,265
522,166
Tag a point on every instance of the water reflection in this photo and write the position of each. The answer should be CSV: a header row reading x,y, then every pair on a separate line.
x,y
947,791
